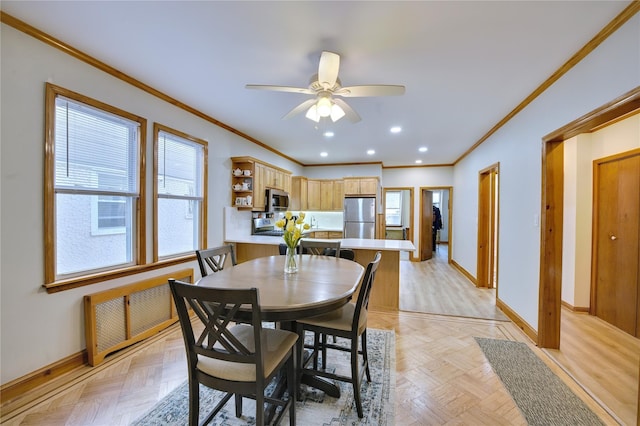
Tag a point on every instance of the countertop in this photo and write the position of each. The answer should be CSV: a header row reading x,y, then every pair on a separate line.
x,y
350,243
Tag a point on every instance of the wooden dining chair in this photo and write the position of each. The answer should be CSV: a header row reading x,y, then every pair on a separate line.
x,y
348,322
238,359
322,247
214,259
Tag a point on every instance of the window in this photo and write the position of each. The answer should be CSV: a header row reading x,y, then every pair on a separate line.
x,y
393,208
436,198
179,193
93,175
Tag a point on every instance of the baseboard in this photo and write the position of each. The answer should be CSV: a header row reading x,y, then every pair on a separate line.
x,y
529,331
18,387
464,272
575,308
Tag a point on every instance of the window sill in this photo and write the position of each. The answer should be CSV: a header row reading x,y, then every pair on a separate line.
x,y
76,282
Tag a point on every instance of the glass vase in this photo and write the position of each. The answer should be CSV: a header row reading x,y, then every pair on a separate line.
x,y
290,265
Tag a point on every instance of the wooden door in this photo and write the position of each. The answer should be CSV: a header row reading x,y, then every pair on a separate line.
x,y
426,225
313,195
616,259
338,195
326,195
486,275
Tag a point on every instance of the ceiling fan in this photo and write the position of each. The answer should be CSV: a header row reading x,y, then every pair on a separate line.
x,y
327,88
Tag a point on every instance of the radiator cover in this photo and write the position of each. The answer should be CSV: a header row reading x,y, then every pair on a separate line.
x,y
122,316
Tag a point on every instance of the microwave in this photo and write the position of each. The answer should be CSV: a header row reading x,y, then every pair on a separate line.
x,y
276,200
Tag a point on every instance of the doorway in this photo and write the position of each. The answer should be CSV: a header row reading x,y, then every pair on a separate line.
x,y
615,281
488,184
440,197
552,210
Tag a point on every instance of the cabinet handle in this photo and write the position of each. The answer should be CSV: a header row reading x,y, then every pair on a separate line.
x,y
613,238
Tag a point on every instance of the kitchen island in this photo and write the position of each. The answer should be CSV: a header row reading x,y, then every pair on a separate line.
x,y
385,294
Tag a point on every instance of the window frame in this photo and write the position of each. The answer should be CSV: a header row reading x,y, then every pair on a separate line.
x,y
400,208
51,280
157,128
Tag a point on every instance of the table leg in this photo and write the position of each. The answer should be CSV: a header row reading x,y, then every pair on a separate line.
x,y
308,378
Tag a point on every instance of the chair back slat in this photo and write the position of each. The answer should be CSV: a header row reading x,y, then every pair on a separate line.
x,y
320,247
362,304
214,259
219,310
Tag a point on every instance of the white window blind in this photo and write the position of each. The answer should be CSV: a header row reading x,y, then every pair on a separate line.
x,y
96,184
180,182
95,150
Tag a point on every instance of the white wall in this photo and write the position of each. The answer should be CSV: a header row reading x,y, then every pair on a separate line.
x,y
610,71
52,324
579,154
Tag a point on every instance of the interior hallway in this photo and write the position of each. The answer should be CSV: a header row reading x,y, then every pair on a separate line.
x,y
601,358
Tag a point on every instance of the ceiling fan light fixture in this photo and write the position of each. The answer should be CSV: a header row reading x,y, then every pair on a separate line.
x,y
336,112
323,107
312,113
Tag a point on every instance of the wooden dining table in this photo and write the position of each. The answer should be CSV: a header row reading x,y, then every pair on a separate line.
x,y
322,284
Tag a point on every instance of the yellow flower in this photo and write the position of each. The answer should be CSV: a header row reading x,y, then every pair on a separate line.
x,y
292,228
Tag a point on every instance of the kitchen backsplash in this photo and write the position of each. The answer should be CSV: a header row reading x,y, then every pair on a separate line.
x,y
237,223
325,220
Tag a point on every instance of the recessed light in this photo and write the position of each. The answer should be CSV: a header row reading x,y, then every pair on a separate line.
x,y
418,161
371,152
328,134
323,154
395,129
423,149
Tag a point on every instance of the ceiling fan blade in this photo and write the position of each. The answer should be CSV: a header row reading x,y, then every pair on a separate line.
x,y
352,116
281,89
370,90
328,69
302,107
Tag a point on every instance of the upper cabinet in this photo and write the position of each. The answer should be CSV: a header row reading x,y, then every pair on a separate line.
x,y
298,197
361,186
324,194
258,176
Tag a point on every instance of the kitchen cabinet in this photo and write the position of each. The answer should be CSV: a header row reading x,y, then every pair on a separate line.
x,y
298,195
361,186
325,194
258,195
338,195
261,176
313,195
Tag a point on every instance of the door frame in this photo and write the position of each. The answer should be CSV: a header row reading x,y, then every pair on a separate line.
x,y
488,225
551,209
411,215
449,216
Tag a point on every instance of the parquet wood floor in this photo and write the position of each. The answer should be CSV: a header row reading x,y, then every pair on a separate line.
x,y
442,378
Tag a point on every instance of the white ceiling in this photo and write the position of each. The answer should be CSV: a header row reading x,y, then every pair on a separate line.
x,y
465,64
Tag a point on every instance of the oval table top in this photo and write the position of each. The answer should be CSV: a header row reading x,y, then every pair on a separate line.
x,y
322,284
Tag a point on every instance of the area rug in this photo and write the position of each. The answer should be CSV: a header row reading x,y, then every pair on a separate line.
x,y
315,408
541,396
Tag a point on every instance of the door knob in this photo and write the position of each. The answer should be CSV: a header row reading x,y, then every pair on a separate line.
x,y
613,238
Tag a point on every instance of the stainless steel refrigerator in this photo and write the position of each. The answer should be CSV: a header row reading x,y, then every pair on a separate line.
x,y
360,218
